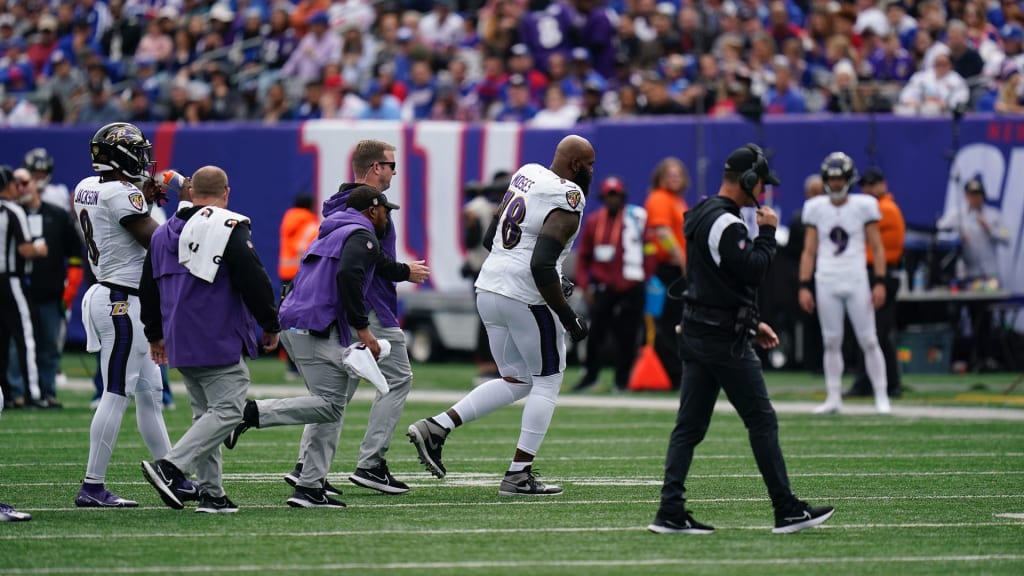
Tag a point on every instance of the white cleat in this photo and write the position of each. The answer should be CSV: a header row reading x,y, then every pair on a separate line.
x,y
883,406
828,408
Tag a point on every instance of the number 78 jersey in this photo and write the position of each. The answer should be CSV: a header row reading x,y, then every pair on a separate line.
x,y
532,194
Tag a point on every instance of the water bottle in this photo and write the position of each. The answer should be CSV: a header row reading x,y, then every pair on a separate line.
x,y
170,181
919,280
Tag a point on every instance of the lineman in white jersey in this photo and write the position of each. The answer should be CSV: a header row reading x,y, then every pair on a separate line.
x,y
834,253
519,297
115,220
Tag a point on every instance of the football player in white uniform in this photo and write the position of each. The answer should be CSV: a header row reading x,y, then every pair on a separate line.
x,y
834,252
522,305
116,224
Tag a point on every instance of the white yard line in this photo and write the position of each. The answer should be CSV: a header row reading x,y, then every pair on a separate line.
x,y
636,402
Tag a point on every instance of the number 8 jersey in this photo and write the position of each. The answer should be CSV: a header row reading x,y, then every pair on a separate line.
x,y
532,194
102,209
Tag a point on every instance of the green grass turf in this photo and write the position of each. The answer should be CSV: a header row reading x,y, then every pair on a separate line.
x,y
914,496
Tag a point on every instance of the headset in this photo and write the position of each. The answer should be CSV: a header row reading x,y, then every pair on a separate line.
x,y
749,178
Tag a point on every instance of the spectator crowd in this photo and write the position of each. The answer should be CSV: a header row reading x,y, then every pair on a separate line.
x,y
551,64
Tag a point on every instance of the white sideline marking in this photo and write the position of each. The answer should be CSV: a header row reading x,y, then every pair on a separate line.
x,y
470,531
377,566
1011,515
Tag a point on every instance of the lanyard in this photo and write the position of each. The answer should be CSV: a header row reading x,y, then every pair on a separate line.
x,y
602,221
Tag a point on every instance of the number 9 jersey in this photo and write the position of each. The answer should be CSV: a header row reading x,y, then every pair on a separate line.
x,y
841,239
532,194
102,209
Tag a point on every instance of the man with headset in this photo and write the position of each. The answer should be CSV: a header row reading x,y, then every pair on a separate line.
x,y
720,319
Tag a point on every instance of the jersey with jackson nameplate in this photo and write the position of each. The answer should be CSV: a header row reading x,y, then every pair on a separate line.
x,y
533,193
841,237
114,254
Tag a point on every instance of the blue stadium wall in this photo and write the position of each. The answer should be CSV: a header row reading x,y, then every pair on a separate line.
x,y
926,162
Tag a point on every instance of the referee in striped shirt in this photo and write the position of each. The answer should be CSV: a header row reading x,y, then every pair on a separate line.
x,y
16,246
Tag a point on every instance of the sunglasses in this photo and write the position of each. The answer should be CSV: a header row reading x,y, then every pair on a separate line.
x,y
23,182
388,164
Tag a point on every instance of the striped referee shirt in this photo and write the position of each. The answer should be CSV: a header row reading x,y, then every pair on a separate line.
x,y
14,231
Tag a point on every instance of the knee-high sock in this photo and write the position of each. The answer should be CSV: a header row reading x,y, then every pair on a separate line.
x,y
106,423
149,414
540,406
874,363
487,398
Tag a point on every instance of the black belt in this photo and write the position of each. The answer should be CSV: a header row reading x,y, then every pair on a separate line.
x,y
112,286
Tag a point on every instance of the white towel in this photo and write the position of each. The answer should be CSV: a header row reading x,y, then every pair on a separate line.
x,y
204,238
360,362
92,336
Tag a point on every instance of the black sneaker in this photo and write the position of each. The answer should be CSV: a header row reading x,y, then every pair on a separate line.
x,y
428,438
378,478
292,479
166,478
525,483
800,515
215,505
665,523
313,498
250,419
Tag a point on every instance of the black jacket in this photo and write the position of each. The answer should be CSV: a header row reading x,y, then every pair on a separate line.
x,y
723,267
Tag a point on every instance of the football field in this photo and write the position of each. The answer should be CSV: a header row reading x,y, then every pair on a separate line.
x,y
920,492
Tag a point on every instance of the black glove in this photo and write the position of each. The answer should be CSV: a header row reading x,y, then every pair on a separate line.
x,y
567,287
574,325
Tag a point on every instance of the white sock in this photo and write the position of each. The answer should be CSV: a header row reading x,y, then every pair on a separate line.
x,y
106,423
149,412
519,466
540,406
445,421
833,365
874,363
487,398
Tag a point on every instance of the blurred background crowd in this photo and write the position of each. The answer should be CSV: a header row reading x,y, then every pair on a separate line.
x,y
547,63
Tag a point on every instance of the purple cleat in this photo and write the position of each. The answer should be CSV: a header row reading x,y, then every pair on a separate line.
x,y
96,496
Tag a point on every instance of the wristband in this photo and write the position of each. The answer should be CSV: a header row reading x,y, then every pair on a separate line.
x,y
807,284
876,280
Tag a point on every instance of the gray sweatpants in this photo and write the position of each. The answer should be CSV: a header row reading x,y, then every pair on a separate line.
x,y
330,385
217,395
387,408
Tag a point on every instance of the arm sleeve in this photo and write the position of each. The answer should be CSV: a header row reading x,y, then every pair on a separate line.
x,y
585,254
149,300
250,278
356,259
390,270
744,259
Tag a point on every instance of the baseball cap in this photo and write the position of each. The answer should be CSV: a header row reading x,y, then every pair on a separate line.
x,y
974,186
520,50
612,185
1012,32
6,176
745,158
872,176
517,80
318,18
47,22
366,196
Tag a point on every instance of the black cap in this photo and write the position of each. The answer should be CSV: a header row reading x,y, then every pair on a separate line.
x,y
872,176
6,176
745,158
366,197
974,186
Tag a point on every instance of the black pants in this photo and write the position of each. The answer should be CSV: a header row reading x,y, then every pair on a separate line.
x,y
666,340
711,366
885,322
16,323
617,316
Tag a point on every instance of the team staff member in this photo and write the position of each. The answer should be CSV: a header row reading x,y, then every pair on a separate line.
x,y
724,269
16,246
299,227
893,230
324,312
665,207
373,163
200,321
610,272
